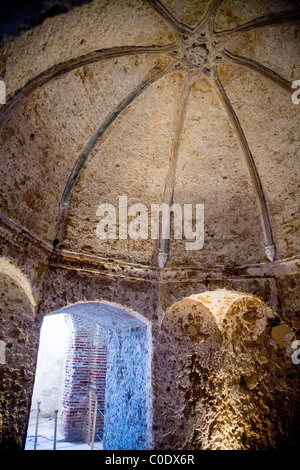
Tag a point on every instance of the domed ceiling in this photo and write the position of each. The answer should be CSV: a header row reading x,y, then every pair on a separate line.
x,y
176,102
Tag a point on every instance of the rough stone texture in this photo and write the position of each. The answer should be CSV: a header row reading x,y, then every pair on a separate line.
x,y
265,289
263,111
28,254
212,171
48,140
76,285
138,171
269,46
289,298
233,12
100,24
19,334
128,421
230,382
49,376
209,150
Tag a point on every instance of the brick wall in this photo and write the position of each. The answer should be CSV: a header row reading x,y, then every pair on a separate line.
x,y
85,372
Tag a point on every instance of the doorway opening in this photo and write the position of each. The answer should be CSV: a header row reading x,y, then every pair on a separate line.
x,y
96,351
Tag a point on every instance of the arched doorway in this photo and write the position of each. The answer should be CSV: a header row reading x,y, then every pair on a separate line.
x,y
108,359
224,377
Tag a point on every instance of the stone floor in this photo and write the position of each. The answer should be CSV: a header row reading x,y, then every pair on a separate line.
x,y
45,437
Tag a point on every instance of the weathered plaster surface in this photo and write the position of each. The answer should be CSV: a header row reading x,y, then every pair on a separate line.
x,y
174,139
212,171
40,144
189,12
48,132
138,171
264,111
128,419
232,12
268,46
289,298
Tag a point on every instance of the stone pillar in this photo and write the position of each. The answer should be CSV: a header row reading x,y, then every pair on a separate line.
x,y
223,379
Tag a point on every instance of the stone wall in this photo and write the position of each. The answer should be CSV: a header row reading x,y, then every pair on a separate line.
x,y
227,380
85,373
289,298
50,366
127,414
19,339
160,103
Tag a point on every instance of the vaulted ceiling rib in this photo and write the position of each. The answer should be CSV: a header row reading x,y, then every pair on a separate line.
x,y
198,49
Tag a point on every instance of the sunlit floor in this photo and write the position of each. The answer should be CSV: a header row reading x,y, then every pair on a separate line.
x,y
45,437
